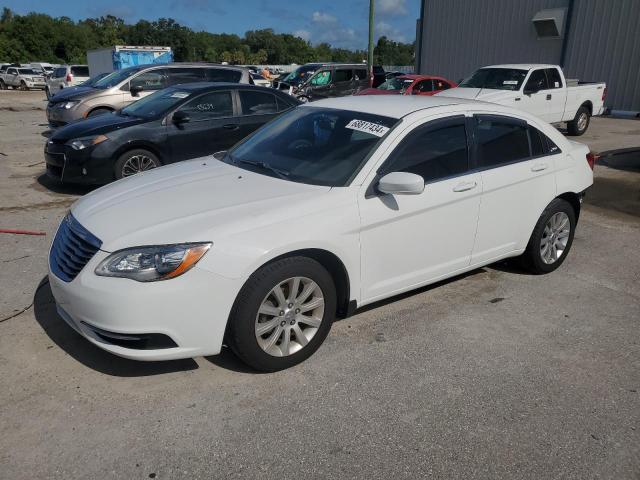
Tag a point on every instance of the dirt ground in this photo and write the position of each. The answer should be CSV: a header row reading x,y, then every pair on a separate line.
x,y
496,374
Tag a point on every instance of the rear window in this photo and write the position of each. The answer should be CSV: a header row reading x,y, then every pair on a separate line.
x,y
343,75
257,103
59,72
80,71
223,75
185,75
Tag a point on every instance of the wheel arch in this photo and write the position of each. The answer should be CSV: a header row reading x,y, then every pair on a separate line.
x,y
588,105
99,107
138,144
573,199
336,269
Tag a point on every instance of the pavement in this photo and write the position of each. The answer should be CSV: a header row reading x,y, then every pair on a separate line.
x,y
494,374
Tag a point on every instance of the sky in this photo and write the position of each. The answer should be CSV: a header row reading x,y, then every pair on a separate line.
x,y
341,23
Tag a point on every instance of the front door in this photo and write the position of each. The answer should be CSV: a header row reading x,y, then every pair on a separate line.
x,y
411,240
321,85
256,108
518,182
211,127
150,81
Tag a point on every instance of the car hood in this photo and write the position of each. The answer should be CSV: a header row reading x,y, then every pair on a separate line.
x,y
196,200
101,124
484,94
377,91
73,93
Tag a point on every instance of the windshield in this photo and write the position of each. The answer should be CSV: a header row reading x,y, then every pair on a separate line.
x,y
93,80
496,79
28,71
114,78
300,74
396,83
320,146
155,104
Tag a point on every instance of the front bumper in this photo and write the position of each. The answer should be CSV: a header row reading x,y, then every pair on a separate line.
x,y
191,310
91,166
58,117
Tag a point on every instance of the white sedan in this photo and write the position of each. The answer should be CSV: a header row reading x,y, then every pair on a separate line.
x,y
334,205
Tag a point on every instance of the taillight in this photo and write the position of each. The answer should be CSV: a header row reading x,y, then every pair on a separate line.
x,y
604,93
592,158
69,77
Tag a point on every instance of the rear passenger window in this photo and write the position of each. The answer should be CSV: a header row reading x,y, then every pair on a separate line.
x,y
185,75
433,153
343,75
537,144
361,74
554,78
283,104
60,72
257,103
80,71
151,80
223,75
500,141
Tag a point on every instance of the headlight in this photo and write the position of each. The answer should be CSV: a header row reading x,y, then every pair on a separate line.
x,y
148,264
67,105
82,143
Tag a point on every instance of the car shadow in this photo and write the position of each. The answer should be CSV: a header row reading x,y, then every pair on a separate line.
x,y
88,354
63,188
227,360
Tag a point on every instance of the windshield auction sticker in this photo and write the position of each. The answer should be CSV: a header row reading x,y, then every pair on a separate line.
x,y
367,127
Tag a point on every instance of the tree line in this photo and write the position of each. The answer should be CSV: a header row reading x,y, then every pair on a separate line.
x,y
40,37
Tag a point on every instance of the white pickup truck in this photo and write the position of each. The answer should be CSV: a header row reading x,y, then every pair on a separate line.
x,y
23,78
541,90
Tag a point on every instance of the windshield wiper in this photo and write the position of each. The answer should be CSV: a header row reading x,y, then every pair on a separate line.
x,y
265,166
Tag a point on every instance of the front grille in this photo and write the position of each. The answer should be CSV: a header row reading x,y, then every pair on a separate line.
x,y
72,249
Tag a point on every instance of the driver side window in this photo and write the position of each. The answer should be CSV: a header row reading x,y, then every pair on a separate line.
x,y
321,78
149,81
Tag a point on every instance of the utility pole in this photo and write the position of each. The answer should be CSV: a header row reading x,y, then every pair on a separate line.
x,y
370,52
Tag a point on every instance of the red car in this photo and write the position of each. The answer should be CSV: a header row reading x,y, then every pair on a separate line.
x,y
411,85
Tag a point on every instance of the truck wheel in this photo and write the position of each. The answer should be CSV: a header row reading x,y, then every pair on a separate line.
x,y
23,86
3,86
135,161
580,123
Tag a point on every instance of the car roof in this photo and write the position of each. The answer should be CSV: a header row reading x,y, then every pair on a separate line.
x,y
523,66
394,106
204,86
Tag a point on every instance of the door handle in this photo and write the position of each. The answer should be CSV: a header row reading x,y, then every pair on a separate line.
x,y
538,167
231,126
548,96
464,187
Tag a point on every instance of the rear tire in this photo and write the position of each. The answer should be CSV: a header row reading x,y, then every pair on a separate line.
x,y
135,161
278,346
23,86
3,86
551,239
580,123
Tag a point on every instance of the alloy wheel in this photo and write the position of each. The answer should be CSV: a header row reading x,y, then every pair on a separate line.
x,y
582,121
137,164
555,237
289,316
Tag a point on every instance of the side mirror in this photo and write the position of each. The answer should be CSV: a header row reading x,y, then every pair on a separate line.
x,y
180,117
530,90
402,183
134,90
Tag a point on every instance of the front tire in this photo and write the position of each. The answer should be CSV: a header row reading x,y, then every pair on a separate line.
x,y
282,314
23,86
135,161
551,239
580,122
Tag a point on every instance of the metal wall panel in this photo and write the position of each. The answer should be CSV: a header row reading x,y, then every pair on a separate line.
x,y
604,45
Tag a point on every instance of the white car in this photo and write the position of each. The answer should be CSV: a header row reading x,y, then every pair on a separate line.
x,y
332,206
66,76
539,89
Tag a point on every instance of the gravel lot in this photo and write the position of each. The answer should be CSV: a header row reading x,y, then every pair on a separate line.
x,y
497,374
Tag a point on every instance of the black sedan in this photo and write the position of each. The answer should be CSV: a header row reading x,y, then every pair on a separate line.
x,y
174,124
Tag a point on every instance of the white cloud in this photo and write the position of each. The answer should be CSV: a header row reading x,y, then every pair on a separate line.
x,y
389,31
303,34
321,17
392,7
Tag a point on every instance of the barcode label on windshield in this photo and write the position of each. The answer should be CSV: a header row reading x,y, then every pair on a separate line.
x,y
367,127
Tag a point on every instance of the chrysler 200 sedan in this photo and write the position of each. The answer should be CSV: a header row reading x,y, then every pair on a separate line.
x,y
332,206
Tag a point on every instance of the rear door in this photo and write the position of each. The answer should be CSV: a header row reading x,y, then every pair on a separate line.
x,y
536,96
211,127
343,84
361,79
558,95
518,182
